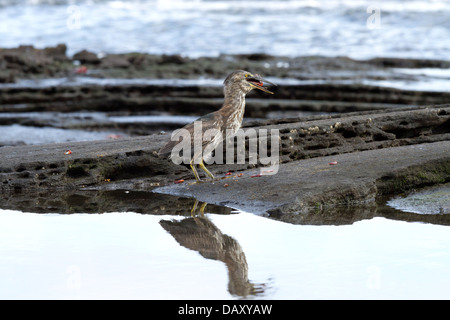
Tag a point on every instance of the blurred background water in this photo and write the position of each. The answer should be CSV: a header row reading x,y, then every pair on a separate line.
x,y
354,28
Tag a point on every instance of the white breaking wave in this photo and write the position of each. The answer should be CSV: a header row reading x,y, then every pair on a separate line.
x,y
359,29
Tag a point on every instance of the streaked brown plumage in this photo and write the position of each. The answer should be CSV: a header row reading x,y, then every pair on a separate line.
x,y
227,120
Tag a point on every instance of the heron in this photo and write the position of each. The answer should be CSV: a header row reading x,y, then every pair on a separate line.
x,y
225,122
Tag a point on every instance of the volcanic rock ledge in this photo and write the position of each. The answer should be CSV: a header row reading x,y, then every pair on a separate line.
x,y
377,152
314,184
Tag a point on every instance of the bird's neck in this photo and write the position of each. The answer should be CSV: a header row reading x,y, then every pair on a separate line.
x,y
234,103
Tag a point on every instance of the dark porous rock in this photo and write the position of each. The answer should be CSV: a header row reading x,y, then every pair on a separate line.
x,y
29,62
290,100
257,56
174,59
57,53
409,63
115,61
379,140
86,57
39,63
313,185
7,76
341,160
25,58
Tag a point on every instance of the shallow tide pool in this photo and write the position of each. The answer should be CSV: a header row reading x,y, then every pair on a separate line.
x,y
127,255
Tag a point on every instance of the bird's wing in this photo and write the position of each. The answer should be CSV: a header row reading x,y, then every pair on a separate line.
x,y
212,120
167,148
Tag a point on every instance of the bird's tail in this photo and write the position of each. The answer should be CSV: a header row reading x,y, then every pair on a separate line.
x,y
167,148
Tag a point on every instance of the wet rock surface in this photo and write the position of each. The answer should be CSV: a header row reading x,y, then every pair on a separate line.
x,y
384,140
45,88
433,200
373,158
313,184
48,80
29,62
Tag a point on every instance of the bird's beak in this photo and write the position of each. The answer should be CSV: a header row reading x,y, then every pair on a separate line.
x,y
258,82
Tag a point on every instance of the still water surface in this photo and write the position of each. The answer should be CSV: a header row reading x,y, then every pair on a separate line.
x,y
231,255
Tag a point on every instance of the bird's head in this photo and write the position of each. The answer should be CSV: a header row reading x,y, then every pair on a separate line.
x,y
246,81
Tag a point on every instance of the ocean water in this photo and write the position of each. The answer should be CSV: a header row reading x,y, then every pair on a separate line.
x,y
355,28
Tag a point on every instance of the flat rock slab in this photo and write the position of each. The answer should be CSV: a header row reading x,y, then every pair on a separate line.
x,y
310,184
74,165
380,152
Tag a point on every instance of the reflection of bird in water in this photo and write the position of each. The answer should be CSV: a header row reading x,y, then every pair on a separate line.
x,y
224,122
200,234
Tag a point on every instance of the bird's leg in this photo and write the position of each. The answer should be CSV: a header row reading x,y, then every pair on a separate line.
x,y
202,208
194,208
202,165
194,170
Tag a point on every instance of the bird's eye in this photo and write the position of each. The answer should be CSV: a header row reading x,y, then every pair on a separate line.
x,y
247,75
